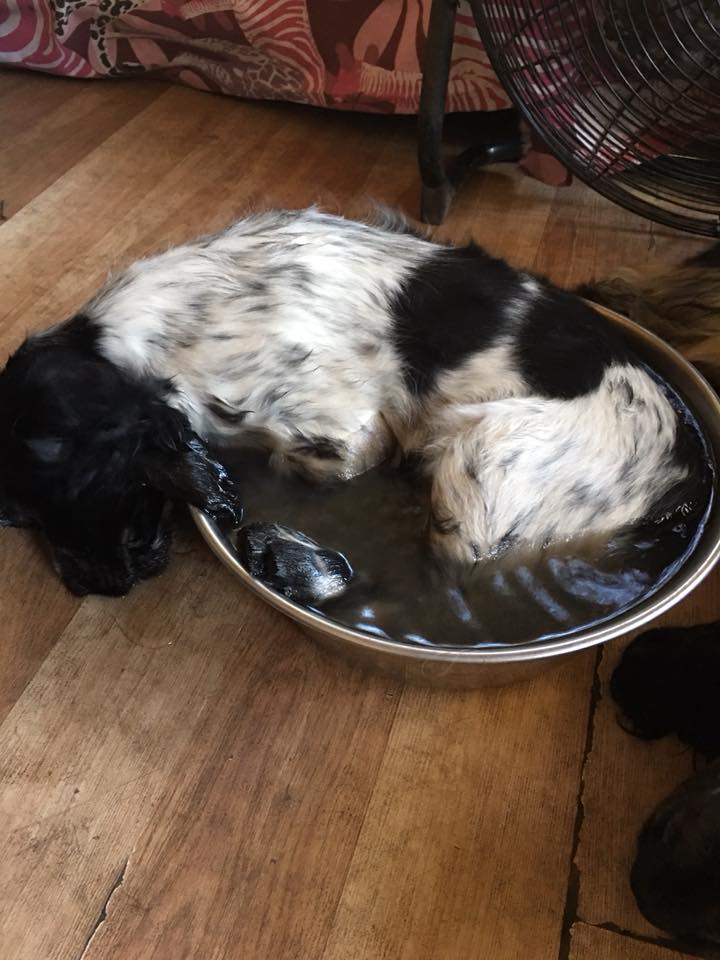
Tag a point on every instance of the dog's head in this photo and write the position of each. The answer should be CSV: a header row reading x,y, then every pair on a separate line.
x,y
675,874
92,457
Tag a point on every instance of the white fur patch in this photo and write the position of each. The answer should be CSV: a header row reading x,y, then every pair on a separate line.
x,y
536,470
279,330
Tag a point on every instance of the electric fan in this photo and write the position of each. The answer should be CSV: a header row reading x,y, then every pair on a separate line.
x,y
626,93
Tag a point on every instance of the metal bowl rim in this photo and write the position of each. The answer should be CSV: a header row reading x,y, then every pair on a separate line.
x,y
622,623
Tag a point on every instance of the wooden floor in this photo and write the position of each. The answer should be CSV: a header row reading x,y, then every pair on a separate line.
x,y
184,775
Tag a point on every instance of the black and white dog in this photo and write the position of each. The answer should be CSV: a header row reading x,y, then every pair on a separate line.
x,y
329,342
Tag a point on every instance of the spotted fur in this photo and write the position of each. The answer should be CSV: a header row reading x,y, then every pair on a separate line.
x,y
330,342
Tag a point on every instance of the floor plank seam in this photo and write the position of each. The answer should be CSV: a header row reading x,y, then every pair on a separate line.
x,y
102,916
572,894
672,946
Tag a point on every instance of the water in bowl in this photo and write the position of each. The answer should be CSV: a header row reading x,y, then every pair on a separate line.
x,y
378,522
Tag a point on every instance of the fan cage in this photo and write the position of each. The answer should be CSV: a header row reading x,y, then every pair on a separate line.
x,y
626,93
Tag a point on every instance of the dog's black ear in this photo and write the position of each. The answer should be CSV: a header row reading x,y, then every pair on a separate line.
x,y
176,462
12,514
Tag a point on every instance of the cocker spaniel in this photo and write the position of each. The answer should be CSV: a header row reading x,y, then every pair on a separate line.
x,y
329,342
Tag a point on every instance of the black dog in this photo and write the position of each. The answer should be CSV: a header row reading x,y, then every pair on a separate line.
x,y
92,457
676,874
668,681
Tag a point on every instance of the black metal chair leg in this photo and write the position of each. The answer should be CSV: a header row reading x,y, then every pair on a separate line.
x,y
500,140
437,190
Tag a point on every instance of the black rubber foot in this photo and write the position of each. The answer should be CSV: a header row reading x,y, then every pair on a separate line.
x,y
435,202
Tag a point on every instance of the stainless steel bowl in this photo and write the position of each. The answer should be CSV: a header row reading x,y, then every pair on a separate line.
x,y
461,667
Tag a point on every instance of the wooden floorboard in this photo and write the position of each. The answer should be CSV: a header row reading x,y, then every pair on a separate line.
x,y
205,750
474,804
183,774
35,611
48,128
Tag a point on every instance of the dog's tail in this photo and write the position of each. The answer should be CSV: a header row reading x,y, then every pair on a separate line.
x,y
682,306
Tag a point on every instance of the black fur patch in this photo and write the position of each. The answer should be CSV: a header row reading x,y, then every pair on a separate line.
x,y
675,876
293,564
510,460
450,308
581,493
565,347
461,303
90,455
668,681
79,333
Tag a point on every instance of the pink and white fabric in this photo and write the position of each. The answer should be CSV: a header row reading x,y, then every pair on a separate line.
x,y
360,55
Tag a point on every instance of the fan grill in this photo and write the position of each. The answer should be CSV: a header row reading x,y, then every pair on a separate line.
x,y
625,92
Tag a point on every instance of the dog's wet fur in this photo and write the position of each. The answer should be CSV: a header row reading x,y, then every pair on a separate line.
x,y
329,342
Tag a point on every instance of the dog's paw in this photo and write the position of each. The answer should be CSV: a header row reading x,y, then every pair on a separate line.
x,y
668,681
293,564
